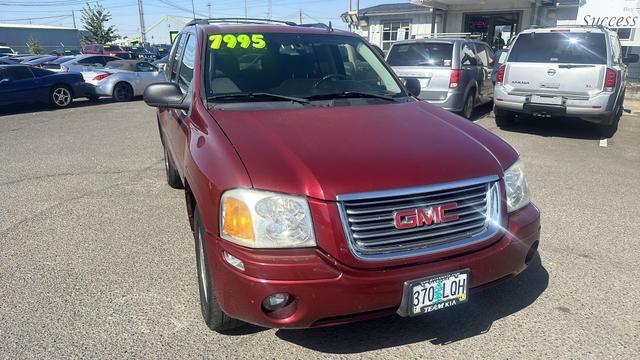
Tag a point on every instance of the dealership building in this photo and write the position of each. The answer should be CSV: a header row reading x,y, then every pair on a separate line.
x,y
50,37
384,24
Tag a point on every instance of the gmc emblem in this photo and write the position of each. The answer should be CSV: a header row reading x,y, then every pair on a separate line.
x,y
413,218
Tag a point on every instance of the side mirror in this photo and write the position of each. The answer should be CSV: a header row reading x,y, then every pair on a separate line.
x,y
631,59
166,94
413,86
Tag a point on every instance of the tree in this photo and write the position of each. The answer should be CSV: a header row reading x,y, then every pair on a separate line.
x,y
33,45
94,19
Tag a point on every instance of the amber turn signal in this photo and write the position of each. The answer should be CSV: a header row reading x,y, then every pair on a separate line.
x,y
237,219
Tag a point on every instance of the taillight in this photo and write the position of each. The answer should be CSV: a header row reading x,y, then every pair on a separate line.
x,y
101,77
500,76
610,80
454,80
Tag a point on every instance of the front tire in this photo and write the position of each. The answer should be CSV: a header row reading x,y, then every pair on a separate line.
x,y
212,314
60,96
504,118
122,92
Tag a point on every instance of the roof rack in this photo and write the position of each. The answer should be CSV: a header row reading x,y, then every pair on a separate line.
x,y
600,27
232,20
465,35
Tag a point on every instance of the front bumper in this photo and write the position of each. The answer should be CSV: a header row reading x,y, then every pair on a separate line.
x,y
595,109
327,292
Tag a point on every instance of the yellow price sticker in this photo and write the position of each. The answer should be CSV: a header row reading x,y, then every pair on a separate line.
x,y
232,41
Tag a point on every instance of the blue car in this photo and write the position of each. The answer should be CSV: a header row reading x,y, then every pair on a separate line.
x,y
25,84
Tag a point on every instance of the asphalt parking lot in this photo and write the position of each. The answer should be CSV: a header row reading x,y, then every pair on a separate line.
x,y
98,259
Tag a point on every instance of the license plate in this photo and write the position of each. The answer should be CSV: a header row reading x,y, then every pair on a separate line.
x,y
550,100
436,292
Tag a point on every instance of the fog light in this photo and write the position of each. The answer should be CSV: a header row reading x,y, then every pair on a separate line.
x,y
275,302
234,261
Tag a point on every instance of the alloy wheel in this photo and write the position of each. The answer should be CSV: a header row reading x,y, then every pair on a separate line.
x,y
61,97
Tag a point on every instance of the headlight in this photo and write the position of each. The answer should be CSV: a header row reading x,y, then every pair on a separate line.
x,y
262,219
517,189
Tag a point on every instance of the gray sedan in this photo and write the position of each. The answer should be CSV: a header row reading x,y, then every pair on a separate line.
x,y
123,79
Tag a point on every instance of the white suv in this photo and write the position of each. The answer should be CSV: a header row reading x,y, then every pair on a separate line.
x,y
565,71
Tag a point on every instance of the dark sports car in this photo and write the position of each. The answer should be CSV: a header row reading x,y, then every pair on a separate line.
x,y
26,84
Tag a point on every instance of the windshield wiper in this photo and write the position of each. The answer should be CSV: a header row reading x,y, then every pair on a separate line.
x,y
350,94
259,95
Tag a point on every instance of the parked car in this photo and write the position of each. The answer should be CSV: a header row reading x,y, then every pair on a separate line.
x,y
26,58
123,79
65,51
8,60
37,62
319,191
564,71
54,65
7,51
86,62
26,84
111,50
161,63
142,53
454,74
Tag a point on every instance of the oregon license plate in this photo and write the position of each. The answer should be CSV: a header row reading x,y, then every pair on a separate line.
x,y
550,100
437,292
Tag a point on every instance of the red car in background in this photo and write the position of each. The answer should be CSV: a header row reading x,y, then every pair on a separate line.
x,y
112,50
320,190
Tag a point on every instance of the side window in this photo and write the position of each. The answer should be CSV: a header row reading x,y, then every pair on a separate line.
x,y
468,55
484,54
145,67
17,73
92,60
177,58
38,72
188,63
616,50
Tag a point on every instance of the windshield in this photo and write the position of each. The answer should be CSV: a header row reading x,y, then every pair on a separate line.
x,y
295,65
420,54
560,47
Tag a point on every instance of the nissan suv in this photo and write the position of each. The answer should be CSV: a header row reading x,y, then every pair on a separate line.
x,y
319,191
454,74
576,71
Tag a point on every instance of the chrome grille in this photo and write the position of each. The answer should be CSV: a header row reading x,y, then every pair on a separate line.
x,y
368,219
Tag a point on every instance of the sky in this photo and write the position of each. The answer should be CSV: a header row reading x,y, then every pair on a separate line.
x,y
126,20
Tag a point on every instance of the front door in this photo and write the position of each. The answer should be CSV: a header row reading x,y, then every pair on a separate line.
x,y
494,29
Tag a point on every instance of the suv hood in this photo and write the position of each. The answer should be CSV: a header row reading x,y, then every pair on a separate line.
x,y
327,151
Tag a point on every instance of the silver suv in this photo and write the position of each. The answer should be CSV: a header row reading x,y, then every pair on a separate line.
x,y
565,71
454,74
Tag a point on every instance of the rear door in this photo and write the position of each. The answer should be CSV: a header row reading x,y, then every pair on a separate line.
x,y
566,63
485,62
429,62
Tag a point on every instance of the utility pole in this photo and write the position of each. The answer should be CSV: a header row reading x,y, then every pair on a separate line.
x,y
193,9
73,15
245,9
270,10
143,31
300,15
209,7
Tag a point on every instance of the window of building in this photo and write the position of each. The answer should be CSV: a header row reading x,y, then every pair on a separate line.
x,y
623,33
393,31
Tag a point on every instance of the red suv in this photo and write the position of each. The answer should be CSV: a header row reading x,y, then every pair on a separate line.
x,y
320,190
